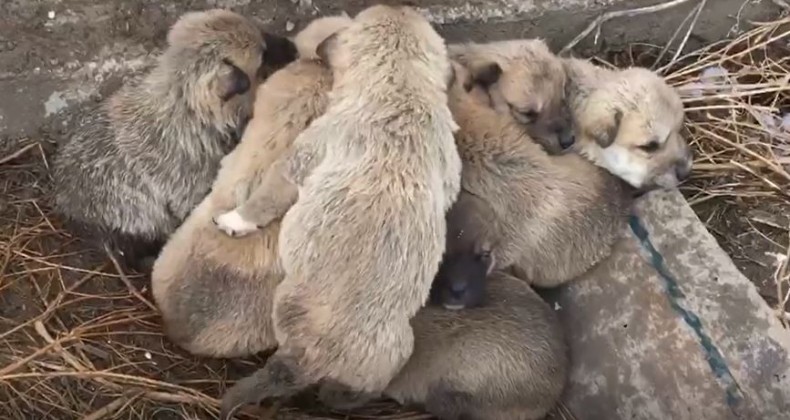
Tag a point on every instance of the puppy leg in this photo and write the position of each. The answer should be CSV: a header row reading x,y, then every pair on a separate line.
x,y
280,378
447,404
276,194
342,397
269,201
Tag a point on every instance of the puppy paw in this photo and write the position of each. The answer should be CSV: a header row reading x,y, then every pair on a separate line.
x,y
234,225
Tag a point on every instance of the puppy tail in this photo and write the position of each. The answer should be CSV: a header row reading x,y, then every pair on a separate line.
x,y
280,378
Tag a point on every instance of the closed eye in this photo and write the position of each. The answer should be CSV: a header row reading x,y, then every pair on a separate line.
x,y
527,116
651,147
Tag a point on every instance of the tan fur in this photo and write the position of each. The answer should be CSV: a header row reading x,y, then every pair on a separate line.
x,y
617,114
550,217
141,162
524,79
362,244
317,31
214,292
506,360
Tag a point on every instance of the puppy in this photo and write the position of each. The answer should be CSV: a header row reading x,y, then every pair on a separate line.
x,y
524,79
548,218
215,292
143,160
503,360
467,258
375,175
628,122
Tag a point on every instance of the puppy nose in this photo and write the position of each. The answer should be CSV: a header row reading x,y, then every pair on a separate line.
x,y
458,288
566,138
683,170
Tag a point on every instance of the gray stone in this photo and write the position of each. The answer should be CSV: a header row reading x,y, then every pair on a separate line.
x,y
668,328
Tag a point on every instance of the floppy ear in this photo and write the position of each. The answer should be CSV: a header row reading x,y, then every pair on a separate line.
x,y
607,128
232,81
486,74
324,49
279,50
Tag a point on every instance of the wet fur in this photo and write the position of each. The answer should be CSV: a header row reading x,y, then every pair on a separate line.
x,y
550,218
368,207
142,160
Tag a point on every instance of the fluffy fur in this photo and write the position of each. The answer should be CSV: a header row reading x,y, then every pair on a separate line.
x,y
141,161
523,79
375,175
504,360
214,292
549,217
629,122
316,32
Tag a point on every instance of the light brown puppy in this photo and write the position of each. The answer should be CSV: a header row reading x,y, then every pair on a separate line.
x,y
140,162
524,79
503,360
375,175
628,121
215,293
548,217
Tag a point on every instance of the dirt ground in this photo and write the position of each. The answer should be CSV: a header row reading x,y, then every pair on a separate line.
x,y
75,340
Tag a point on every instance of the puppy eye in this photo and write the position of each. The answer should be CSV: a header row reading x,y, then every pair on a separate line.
x,y
650,147
527,116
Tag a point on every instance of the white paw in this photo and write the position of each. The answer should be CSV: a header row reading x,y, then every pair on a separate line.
x,y
234,225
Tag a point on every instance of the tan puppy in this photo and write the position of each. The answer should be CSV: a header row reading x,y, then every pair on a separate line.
x,y
503,360
375,175
524,79
626,121
215,293
141,162
549,217
629,122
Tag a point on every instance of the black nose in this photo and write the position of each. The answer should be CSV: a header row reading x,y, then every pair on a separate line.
x,y
566,138
682,171
458,289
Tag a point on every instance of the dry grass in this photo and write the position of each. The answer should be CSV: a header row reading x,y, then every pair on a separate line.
x,y
79,339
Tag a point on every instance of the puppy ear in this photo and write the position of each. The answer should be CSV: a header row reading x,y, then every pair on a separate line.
x,y
232,81
486,74
324,49
608,129
451,77
279,50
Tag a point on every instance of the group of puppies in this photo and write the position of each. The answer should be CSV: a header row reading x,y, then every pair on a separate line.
x,y
370,202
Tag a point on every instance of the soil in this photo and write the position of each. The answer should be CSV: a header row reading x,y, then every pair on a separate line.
x,y
116,334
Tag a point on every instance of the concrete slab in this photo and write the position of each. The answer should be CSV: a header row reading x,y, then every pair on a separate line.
x,y
668,328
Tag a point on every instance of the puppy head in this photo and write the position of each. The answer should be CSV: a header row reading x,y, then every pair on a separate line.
x,y
217,56
523,78
631,125
393,38
308,39
460,281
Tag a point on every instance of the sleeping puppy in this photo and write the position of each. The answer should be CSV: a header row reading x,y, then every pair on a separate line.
x,y
215,292
366,189
141,162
